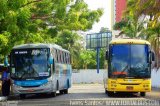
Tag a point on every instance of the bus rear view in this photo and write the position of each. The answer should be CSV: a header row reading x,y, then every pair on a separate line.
x,y
129,67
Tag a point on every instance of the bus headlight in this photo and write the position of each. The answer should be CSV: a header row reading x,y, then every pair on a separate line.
x,y
113,85
16,86
49,83
113,82
146,85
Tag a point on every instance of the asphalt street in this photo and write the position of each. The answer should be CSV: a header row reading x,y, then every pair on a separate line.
x,y
85,95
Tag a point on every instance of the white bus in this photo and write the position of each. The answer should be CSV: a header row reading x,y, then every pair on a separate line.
x,y
40,68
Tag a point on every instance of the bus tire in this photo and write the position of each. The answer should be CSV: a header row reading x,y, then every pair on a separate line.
x,y
53,94
106,92
61,91
22,96
57,87
142,94
6,88
65,91
110,93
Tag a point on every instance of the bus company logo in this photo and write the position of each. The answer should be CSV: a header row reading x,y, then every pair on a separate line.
x,y
52,51
36,52
21,52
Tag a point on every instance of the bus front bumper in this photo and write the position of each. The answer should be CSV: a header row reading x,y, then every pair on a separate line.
x,y
129,88
31,90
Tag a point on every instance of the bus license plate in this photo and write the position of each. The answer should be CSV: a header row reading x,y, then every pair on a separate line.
x,y
30,90
129,87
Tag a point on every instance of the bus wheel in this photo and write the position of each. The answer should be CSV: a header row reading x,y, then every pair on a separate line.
x,y
143,94
65,91
53,94
110,93
22,96
106,92
57,85
6,88
61,91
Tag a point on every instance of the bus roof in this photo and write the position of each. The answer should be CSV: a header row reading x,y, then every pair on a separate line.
x,y
129,41
39,45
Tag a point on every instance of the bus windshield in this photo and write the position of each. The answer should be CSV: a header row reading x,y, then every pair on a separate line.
x,y
30,64
130,61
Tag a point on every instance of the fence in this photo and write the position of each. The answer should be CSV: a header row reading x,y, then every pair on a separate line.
x,y
88,76
155,75
91,76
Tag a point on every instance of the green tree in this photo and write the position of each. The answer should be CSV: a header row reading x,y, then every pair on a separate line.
x,y
72,42
103,29
130,25
35,21
150,8
103,62
88,59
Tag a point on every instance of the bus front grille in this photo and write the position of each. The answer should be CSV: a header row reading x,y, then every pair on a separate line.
x,y
129,83
30,86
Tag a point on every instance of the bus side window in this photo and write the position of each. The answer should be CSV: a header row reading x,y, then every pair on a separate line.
x,y
57,55
65,58
54,60
69,59
61,57
63,54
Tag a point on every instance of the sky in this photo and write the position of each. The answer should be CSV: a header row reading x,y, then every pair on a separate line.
x,y
105,20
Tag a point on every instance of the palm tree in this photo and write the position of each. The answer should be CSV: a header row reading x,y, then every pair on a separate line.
x,y
151,8
135,28
131,26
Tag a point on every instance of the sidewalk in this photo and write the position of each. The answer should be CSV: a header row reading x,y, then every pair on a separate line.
x,y
155,89
154,94
3,98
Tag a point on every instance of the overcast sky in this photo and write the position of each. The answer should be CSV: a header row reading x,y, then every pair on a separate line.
x,y
106,18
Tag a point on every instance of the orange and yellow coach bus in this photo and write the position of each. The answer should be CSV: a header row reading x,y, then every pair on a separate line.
x,y
129,66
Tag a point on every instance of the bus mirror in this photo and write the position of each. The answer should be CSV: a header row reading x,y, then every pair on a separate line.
x,y
107,55
152,56
50,60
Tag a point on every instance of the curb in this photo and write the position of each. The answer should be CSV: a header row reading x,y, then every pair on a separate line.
x,y
3,98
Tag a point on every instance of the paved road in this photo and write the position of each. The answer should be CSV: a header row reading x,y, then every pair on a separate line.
x,y
85,95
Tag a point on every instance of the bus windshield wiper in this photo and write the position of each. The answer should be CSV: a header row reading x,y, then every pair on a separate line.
x,y
33,72
121,73
25,72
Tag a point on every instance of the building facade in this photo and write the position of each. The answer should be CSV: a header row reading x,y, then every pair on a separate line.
x,y
117,9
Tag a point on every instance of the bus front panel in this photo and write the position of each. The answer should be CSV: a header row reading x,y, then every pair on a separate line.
x,y
129,68
129,85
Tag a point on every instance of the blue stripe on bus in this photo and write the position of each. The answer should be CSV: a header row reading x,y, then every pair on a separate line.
x,y
31,82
